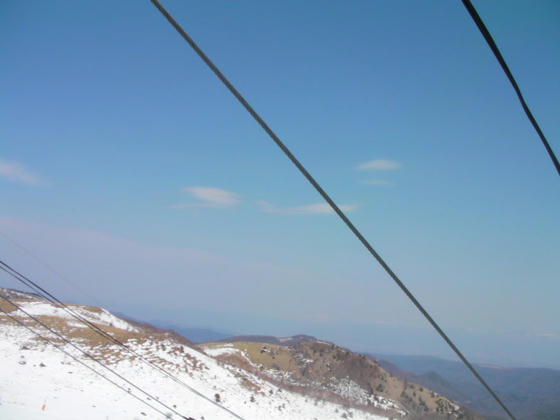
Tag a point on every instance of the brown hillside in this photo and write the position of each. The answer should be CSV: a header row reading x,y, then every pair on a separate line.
x,y
318,365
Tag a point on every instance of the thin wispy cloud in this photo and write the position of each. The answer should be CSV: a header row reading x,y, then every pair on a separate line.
x,y
379,182
211,197
316,208
550,335
18,173
379,165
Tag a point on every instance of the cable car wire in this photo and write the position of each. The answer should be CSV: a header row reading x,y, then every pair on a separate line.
x,y
488,37
327,198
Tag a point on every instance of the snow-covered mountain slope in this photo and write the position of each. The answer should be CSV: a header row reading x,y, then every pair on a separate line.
x,y
39,381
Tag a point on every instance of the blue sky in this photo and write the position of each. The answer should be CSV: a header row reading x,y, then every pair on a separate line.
x,y
129,168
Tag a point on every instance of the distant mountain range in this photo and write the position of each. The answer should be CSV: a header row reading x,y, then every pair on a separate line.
x,y
195,335
199,335
531,393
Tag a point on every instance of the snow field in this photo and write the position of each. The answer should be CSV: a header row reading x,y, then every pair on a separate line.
x,y
42,375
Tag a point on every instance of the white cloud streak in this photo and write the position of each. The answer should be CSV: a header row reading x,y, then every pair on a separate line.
x,y
379,165
379,182
316,208
16,172
210,197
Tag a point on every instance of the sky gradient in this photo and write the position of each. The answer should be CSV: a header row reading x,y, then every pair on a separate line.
x,y
128,168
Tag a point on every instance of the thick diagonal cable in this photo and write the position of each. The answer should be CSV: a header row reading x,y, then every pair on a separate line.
x,y
60,348
326,197
55,301
486,34
88,355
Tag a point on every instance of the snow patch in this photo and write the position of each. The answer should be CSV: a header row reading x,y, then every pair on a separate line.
x,y
103,317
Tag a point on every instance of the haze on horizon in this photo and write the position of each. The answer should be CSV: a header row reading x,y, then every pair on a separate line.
x,y
127,167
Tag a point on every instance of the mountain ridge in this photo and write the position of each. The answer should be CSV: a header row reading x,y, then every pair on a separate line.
x,y
307,363
312,387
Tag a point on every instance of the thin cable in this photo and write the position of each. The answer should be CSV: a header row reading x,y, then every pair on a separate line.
x,y
486,34
85,353
327,198
54,300
80,362
90,298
